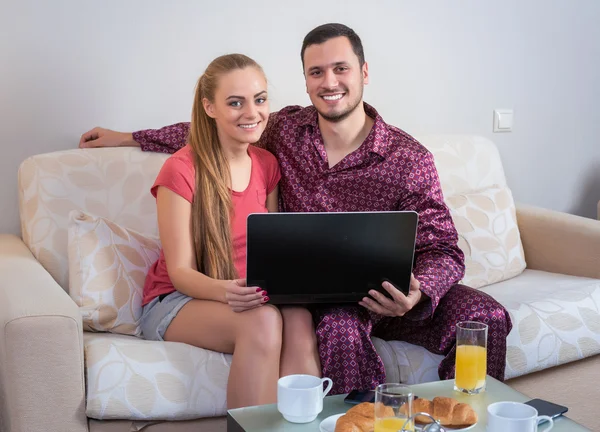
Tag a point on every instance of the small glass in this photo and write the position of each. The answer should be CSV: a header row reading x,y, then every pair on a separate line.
x,y
471,357
393,407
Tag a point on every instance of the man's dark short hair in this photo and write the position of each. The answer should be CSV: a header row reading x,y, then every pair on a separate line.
x,y
328,31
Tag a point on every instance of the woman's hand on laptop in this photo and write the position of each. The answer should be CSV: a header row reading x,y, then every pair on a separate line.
x,y
400,304
241,298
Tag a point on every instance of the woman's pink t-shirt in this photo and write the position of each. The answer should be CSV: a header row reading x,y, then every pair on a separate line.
x,y
179,175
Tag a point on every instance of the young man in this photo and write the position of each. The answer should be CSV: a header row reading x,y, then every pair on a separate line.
x,y
339,155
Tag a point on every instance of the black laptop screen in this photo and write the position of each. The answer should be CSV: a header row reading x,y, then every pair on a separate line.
x,y
329,257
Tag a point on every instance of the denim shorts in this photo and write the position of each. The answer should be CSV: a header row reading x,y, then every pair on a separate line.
x,y
158,314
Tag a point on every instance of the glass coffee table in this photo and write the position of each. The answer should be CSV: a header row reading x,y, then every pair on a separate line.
x,y
266,418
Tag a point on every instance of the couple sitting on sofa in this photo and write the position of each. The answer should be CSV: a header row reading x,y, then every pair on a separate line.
x,y
336,155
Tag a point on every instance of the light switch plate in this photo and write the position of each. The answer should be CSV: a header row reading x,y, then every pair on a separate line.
x,y
503,120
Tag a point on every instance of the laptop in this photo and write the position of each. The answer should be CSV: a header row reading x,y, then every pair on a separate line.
x,y
304,258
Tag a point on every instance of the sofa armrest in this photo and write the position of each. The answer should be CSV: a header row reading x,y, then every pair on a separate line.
x,y
559,242
42,384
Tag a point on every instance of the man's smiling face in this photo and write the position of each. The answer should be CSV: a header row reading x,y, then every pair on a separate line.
x,y
334,78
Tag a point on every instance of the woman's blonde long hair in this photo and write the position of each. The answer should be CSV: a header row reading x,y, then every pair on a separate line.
x,y
211,207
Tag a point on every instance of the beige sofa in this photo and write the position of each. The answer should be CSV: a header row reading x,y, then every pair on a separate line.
x,y
56,377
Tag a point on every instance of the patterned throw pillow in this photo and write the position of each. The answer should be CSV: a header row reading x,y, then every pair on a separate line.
x,y
488,235
107,270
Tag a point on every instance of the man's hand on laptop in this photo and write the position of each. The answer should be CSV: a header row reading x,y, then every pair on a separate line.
x,y
241,298
400,304
101,137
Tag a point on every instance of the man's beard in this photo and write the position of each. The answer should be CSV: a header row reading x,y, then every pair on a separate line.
x,y
338,117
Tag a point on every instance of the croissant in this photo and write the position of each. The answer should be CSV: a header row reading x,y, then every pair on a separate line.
x,y
360,418
448,411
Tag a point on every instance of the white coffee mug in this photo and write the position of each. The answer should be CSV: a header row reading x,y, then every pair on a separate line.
x,y
300,397
514,417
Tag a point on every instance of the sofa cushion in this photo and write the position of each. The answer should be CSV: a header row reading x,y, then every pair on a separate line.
x,y
113,183
464,162
108,265
407,363
488,235
131,378
555,317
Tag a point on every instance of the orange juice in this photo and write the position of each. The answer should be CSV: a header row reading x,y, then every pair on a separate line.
x,y
471,366
391,424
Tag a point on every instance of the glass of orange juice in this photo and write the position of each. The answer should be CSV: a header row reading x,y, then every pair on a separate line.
x,y
471,357
393,407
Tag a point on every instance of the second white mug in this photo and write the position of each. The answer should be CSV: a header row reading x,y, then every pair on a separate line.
x,y
514,417
300,397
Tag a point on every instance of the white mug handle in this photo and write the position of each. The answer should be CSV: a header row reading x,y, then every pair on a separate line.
x,y
550,426
324,380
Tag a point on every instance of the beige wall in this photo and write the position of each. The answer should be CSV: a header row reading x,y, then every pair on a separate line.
x,y
436,67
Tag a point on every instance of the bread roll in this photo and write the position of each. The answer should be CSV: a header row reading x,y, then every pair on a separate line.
x,y
361,418
448,411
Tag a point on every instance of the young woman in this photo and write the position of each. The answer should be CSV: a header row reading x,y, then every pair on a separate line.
x,y
196,292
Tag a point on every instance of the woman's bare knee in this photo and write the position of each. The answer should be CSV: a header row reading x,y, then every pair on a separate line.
x,y
263,327
293,314
299,329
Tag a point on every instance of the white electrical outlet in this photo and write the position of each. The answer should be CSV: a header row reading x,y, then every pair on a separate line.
x,y
503,120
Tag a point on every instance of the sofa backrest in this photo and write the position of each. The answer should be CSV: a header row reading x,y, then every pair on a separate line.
x,y
465,163
115,183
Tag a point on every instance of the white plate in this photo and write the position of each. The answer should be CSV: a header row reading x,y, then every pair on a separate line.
x,y
449,429
328,425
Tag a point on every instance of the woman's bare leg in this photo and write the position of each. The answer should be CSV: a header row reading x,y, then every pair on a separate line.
x,y
299,354
254,338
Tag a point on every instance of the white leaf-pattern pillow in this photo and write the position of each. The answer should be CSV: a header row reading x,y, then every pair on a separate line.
x,y
488,235
108,265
